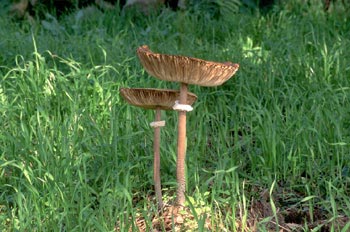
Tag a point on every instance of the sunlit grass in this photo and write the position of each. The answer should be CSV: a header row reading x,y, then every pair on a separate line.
x,y
75,157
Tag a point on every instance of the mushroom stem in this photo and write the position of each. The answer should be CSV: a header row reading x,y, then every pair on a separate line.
x,y
156,165
181,149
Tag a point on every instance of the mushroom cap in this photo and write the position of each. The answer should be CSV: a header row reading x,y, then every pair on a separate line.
x,y
185,69
149,98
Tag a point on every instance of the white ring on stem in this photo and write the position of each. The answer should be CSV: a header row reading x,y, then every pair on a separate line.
x,y
182,107
157,124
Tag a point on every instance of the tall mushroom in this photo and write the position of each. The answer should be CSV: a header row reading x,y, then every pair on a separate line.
x,y
156,99
186,70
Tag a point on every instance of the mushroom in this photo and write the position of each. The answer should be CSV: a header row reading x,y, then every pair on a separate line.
x,y
186,70
156,99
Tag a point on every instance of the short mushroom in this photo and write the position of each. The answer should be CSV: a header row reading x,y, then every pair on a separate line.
x,y
156,99
186,70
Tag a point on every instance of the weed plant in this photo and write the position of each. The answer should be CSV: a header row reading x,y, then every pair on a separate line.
x,y
75,157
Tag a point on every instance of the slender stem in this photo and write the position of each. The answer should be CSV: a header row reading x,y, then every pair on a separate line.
x,y
181,149
156,165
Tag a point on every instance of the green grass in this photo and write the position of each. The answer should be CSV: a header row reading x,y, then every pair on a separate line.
x,y
75,157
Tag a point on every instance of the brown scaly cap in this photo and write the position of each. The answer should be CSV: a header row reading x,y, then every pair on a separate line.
x,y
148,98
185,69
